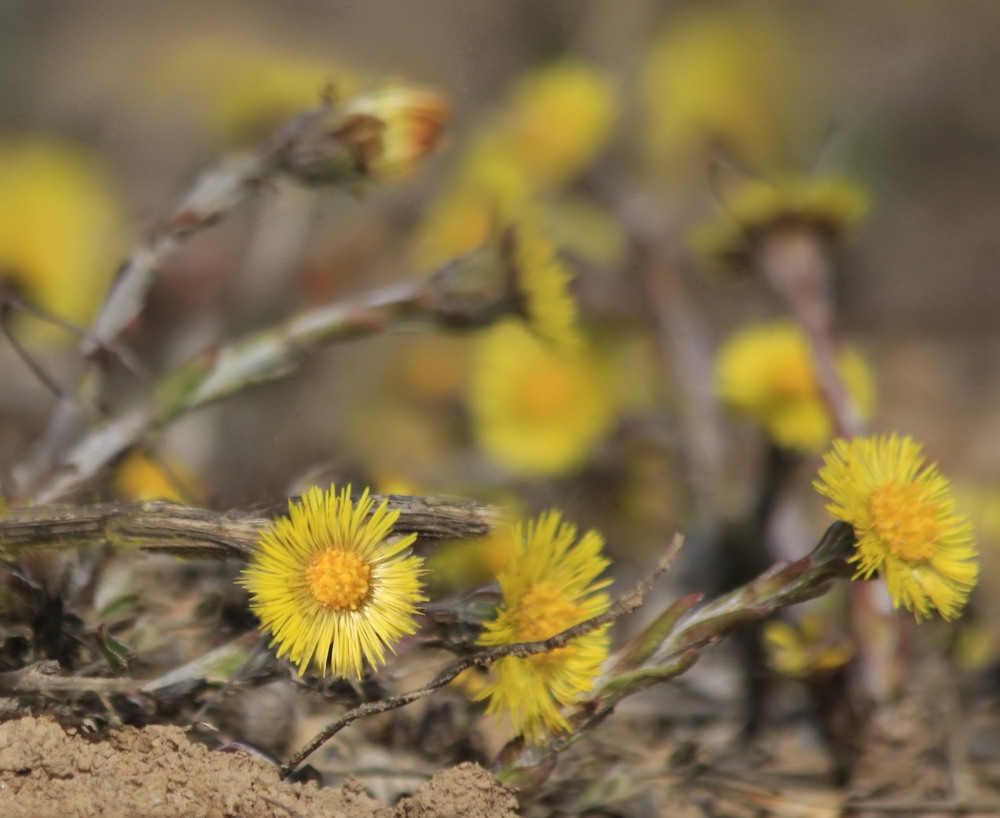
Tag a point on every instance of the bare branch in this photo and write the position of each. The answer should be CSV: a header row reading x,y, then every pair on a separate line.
x,y
185,531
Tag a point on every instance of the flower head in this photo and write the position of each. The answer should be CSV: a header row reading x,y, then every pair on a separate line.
x,y
543,286
811,647
721,78
409,123
331,585
537,409
905,522
57,216
242,91
766,372
829,207
556,119
550,584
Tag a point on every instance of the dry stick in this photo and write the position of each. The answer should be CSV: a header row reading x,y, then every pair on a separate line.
x,y
216,373
625,604
43,678
214,194
196,532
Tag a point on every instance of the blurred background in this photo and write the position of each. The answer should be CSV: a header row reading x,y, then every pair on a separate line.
x,y
135,101
636,123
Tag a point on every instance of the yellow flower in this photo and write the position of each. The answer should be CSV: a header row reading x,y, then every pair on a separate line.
x,y
140,478
57,217
804,649
720,78
766,372
537,409
331,585
486,193
543,284
555,120
243,91
410,122
829,207
904,519
550,584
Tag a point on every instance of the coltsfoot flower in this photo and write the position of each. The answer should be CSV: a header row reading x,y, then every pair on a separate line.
x,y
766,372
537,409
331,584
905,522
549,584
830,208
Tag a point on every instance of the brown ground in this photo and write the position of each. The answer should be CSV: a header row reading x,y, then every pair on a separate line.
x,y
157,772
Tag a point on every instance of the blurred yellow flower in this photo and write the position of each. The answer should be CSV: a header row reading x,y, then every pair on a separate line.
x,y
766,373
828,207
139,478
537,409
331,583
551,126
720,79
58,214
543,284
550,584
486,193
243,91
804,649
904,519
555,120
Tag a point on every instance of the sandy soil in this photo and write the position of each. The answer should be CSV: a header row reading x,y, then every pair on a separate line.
x,y
157,772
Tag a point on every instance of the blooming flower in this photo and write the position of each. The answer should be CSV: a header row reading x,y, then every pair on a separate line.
x,y
550,584
807,648
543,284
57,217
537,409
331,585
724,78
556,119
241,91
905,522
766,372
829,207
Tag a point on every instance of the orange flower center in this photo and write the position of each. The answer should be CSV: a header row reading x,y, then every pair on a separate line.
x,y
545,392
340,580
794,379
545,611
905,521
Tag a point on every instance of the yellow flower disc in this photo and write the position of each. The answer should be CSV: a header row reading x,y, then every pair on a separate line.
x,y
904,520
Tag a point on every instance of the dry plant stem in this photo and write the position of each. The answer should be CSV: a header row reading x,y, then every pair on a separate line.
x,y
42,678
216,373
795,264
215,193
195,532
681,340
625,604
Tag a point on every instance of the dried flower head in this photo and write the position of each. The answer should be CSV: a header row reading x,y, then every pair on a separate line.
x,y
537,409
766,372
550,584
828,208
410,122
331,584
905,522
